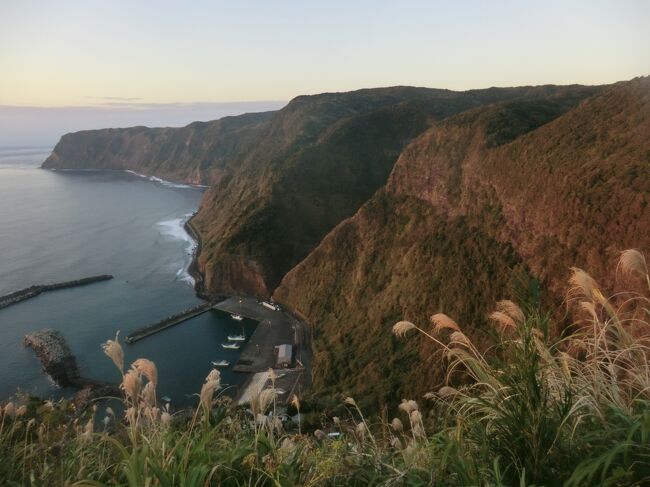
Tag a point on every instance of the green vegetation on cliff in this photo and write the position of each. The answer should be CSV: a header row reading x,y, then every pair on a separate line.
x,y
531,410
463,222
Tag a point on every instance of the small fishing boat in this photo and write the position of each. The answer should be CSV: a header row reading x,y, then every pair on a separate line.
x,y
233,346
166,399
237,338
271,305
221,363
236,317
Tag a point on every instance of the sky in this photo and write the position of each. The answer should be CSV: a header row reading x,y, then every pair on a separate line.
x,y
170,62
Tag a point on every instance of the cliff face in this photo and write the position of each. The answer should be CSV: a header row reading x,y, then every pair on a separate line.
x,y
476,207
281,181
314,164
199,153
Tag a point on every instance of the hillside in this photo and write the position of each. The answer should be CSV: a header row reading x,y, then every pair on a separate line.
x,y
280,181
475,208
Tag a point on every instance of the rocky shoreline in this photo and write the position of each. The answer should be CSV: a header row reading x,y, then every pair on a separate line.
x,y
193,269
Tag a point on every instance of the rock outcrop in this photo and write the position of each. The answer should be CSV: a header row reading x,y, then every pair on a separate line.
x,y
55,355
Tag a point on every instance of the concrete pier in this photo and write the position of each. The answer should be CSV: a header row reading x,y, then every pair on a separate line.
x,y
168,322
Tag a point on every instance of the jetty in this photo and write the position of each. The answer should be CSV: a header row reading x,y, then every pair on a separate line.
x,y
33,291
168,322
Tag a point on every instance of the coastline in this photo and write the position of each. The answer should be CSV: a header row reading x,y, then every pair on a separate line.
x,y
193,269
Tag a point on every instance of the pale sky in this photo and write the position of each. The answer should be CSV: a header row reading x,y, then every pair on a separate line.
x,y
85,52
132,54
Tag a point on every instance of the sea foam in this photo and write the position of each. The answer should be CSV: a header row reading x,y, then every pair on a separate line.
x,y
175,229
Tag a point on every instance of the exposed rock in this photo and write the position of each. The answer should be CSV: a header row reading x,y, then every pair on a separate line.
x,y
55,355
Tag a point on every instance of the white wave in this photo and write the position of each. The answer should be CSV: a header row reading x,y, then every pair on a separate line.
x,y
164,182
176,229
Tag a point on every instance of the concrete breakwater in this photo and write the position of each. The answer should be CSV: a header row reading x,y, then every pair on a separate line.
x,y
33,291
55,355
165,323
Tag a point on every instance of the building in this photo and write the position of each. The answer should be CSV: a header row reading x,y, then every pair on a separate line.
x,y
284,355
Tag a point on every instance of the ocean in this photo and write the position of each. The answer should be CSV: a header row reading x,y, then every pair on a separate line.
x,y
65,225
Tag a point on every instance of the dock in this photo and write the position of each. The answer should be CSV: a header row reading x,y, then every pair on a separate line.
x,y
168,322
274,328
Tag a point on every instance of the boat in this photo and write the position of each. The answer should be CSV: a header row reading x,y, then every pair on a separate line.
x,y
236,317
221,363
166,399
233,346
272,306
237,338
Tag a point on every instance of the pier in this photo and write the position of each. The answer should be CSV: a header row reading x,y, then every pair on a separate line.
x,y
33,291
168,322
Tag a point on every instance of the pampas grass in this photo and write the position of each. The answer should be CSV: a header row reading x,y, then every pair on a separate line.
x,y
113,350
443,322
147,368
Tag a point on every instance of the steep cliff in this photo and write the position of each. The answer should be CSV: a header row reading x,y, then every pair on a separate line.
x,y
281,181
198,153
315,163
476,207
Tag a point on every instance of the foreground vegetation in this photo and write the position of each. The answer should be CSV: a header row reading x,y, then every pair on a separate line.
x,y
531,409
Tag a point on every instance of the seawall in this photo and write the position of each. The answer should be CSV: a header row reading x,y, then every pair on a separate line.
x,y
33,291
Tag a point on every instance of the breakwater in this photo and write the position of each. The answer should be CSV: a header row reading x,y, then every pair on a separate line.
x,y
165,323
33,291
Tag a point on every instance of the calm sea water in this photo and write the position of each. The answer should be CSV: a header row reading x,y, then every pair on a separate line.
x,y
58,226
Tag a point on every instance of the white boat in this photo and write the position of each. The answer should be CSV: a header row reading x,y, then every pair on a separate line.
x,y
237,338
272,306
236,317
221,363
233,346
166,399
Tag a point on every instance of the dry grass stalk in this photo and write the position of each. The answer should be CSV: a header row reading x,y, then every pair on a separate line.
x,y
211,385
582,284
131,385
503,321
146,368
459,338
401,328
397,425
350,401
295,402
447,391
443,322
632,261
511,309
149,394
113,350
408,406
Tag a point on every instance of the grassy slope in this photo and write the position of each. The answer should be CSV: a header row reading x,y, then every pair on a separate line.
x,y
462,219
